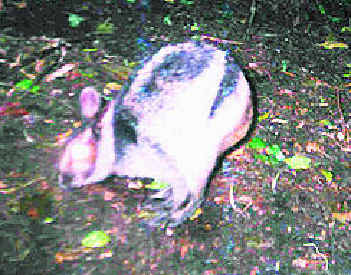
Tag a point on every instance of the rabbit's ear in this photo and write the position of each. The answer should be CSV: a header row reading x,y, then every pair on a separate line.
x,y
89,102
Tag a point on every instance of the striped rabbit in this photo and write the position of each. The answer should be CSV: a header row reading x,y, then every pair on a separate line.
x,y
184,106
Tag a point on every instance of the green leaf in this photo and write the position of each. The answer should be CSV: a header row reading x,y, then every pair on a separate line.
x,y
321,9
298,162
186,2
157,185
344,29
96,239
325,122
257,143
335,19
275,151
25,84
35,89
328,175
48,220
284,65
105,28
195,27
74,20
167,20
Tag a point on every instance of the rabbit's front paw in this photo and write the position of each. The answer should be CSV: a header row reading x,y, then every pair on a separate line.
x,y
169,212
